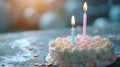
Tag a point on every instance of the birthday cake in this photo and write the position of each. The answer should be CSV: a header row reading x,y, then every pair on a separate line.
x,y
90,52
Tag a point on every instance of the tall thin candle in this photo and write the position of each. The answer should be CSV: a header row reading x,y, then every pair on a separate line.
x,y
73,30
84,20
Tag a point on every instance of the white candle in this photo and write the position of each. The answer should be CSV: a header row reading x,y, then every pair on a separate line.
x,y
73,30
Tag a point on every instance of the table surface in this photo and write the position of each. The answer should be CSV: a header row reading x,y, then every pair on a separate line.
x,y
24,49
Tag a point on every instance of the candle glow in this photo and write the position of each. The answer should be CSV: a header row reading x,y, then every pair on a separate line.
x,y
85,7
73,21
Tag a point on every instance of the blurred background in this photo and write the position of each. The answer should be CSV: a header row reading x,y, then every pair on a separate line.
x,y
22,15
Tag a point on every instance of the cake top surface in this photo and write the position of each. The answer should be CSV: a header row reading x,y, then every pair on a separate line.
x,y
89,42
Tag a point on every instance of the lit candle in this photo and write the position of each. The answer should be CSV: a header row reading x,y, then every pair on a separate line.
x,y
84,20
73,30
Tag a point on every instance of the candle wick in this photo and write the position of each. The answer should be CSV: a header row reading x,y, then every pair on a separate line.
x,y
85,12
72,26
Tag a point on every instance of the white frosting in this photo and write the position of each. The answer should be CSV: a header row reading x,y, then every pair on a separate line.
x,y
84,53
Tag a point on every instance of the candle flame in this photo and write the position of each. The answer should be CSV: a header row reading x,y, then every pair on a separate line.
x,y
85,7
73,21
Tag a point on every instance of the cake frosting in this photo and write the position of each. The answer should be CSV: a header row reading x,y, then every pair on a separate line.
x,y
90,52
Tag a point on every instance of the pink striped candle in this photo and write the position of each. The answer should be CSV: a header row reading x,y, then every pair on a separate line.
x,y
84,20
